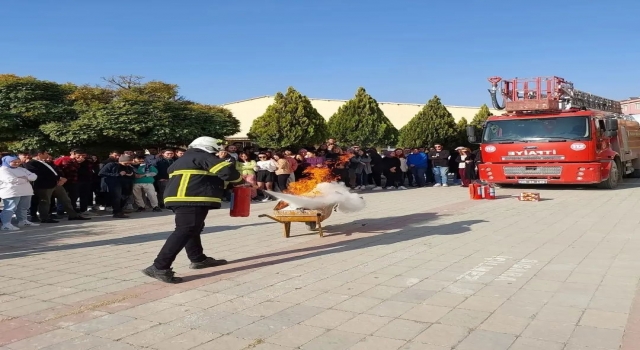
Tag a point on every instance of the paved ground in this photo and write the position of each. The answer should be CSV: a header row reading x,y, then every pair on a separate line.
x,y
423,269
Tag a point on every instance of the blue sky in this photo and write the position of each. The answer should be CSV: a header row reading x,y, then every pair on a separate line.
x,y
400,51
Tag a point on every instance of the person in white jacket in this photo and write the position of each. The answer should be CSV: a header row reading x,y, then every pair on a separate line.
x,y
16,192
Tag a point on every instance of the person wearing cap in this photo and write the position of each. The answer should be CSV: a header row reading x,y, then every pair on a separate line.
x,y
114,176
196,185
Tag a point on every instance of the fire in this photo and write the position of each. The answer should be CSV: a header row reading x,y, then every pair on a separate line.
x,y
305,186
315,175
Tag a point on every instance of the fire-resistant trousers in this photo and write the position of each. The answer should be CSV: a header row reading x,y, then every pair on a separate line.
x,y
189,226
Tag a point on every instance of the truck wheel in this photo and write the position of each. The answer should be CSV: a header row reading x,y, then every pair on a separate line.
x,y
614,177
311,226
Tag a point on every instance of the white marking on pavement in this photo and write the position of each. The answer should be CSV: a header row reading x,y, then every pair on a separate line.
x,y
483,268
517,270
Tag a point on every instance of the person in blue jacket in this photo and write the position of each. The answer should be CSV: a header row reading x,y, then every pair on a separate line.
x,y
418,162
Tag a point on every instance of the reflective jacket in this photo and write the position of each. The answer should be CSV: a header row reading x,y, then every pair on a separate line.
x,y
199,178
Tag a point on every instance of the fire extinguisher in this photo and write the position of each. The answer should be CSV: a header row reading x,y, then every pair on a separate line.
x,y
240,202
488,192
475,191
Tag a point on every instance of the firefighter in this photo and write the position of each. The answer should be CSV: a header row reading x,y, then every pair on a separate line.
x,y
196,185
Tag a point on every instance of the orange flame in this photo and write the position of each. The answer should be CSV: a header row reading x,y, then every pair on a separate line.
x,y
314,176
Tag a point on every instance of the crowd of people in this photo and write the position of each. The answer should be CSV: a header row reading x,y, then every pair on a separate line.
x,y
37,189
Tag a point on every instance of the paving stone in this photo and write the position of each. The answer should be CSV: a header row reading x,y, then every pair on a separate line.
x,y
82,342
334,340
480,303
187,340
125,329
226,342
154,335
442,335
391,308
445,299
100,323
423,346
464,318
326,300
266,309
596,337
329,319
364,324
523,343
229,323
553,331
426,313
296,336
401,329
296,314
559,314
486,340
43,340
378,343
357,304
505,324
604,319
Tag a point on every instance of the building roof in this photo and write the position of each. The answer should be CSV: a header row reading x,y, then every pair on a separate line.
x,y
398,113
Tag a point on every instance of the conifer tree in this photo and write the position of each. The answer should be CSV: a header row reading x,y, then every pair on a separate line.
x,y
433,124
461,126
361,121
479,119
290,121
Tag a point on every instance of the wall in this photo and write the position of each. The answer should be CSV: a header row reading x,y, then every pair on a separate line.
x,y
631,106
399,113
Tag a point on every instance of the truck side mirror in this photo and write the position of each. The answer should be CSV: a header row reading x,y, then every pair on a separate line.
x,y
611,124
471,133
610,134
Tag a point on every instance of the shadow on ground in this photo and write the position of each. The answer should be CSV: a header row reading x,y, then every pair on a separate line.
x,y
362,235
43,241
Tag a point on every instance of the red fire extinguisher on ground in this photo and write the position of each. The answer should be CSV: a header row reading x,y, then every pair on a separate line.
x,y
475,191
488,191
240,202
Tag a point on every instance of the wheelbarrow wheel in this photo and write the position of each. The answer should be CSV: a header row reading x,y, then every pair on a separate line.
x,y
312,226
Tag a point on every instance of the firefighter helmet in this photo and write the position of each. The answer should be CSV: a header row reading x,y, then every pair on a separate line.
x,y
206,143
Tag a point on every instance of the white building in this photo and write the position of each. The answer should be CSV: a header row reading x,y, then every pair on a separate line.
x,y
398,113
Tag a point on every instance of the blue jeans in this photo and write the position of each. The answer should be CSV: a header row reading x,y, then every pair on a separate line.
x,y
440,174
418,175
18,205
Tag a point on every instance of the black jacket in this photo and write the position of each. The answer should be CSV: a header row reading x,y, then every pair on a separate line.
x,y
47,179
439,158
391,162
199,178
111,178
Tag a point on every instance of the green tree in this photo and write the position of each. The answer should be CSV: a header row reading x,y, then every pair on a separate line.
x,y
139,119
461,127
479,119
289,122
126,113
360,121
26,104
433,124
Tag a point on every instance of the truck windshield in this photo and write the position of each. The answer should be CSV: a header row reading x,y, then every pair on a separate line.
x,y
530,129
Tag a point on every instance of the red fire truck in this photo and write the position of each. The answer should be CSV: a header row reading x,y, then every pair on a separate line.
x,y
553,133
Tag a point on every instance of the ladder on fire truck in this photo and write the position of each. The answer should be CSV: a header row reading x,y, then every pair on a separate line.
x,y
546,94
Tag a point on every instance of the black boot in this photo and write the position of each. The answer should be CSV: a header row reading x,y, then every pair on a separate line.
x,y
166,276
208,262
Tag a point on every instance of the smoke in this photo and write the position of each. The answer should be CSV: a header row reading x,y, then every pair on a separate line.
x,y
326,194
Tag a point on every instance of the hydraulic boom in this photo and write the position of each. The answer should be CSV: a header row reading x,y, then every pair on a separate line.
x,y
546,95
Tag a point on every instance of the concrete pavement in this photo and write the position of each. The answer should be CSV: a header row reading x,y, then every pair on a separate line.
x,y
422,269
